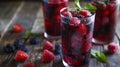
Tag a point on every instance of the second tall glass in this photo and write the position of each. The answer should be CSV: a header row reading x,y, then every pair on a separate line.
x,y
105,21
51,12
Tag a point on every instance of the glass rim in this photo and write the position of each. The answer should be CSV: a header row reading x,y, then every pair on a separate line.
x,y
92,17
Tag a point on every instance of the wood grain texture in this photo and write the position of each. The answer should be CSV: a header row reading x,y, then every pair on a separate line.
x,y
30,16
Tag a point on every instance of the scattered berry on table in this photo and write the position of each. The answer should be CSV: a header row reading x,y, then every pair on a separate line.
x,y
47,56
35,40
48,45
9,48
21,56
29,64
18,43
17,28
23,48
58,49
113,47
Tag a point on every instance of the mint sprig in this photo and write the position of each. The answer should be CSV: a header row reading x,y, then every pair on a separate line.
x,y
99,56
27,33
88,6
77,4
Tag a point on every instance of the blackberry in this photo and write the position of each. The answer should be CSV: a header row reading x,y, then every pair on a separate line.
x,y
58,49
18,43
35,40
23,48
9,48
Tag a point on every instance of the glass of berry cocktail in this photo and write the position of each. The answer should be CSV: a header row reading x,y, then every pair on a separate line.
x,y
77,31
51,12
105,21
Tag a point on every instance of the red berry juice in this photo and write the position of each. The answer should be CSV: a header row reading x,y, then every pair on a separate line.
x,y
105,22
77,33
51,11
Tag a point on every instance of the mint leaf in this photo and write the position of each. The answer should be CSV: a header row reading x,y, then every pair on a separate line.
x,y
99,56
90,7
100,2
77,4
27,33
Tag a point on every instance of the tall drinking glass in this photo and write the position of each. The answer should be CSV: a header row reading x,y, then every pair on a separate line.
x,y
77,33
51,12
105,21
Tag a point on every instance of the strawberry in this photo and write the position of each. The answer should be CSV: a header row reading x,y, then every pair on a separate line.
x,y
21,56
86,47
82,29
48,45
17,28
112,47
47,56
29,64
74,21
85,13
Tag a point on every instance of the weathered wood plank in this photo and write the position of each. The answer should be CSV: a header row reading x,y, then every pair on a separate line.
x,y
7,10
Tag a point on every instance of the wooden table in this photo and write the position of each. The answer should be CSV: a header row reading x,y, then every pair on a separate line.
x,y
29,15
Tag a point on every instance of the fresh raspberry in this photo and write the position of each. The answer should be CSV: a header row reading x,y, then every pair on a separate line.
x,y
103,6
111,7
112,47
82,29
86,47
74,13
48,45
17,28
47,56
85,13
21,56
105,20
29,64
67,14
74,21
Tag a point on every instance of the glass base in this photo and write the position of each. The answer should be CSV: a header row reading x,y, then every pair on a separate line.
x,y
99,42
51,37
65,64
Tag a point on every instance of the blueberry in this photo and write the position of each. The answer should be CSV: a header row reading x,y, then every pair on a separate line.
x,y
23,48
35,40
9,48
18,43
58,49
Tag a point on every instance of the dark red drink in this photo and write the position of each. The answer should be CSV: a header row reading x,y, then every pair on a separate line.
x,y
51,10
105,22
77,33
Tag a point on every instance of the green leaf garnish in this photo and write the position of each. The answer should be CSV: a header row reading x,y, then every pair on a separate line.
x,y
90,7
99,56
77,4
100,2
27,33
